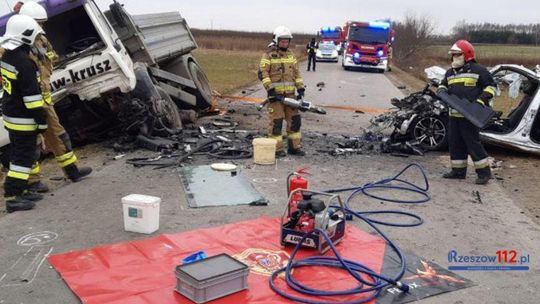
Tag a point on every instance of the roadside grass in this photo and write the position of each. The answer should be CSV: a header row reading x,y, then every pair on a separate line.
x,y
229,71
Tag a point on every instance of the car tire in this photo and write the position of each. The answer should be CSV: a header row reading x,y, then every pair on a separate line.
x,y
431,132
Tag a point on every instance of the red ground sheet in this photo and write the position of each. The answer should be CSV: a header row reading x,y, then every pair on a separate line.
x,y
142,272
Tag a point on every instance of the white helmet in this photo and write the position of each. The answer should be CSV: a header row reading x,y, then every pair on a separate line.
x,y
20,29
282,32
34,10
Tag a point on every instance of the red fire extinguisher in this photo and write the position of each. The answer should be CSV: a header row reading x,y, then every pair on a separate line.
x,y
296,181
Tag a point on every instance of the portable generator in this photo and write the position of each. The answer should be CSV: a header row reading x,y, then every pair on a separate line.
x,y
308,210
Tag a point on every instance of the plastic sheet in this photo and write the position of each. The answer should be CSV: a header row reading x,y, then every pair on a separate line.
x,y
142,271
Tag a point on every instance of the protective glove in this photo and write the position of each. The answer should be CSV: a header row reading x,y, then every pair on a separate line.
x,y
441,89
301,93
273,96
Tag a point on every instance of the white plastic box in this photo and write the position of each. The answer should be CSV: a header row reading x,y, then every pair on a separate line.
x,y
141,213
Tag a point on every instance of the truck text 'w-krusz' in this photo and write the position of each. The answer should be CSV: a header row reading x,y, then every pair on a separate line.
x,y
82,74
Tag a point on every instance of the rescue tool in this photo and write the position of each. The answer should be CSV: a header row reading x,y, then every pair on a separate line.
x,y
302,105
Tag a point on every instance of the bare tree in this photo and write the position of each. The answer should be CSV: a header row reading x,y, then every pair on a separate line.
x,y
412,34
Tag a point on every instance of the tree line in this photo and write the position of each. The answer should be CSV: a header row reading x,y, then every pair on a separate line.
x,y
486,32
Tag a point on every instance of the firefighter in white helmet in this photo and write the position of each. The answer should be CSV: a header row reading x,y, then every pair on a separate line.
x,y
22,108
56,138
281,78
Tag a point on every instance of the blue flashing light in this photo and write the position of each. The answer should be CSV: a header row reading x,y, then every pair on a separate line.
x,y
325,29
379,24
356,55
380,53
333,29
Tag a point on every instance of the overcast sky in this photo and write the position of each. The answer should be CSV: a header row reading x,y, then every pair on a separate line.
x,y
308,16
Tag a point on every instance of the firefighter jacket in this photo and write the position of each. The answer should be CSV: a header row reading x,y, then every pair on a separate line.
x,y
280,72
22,102
44,56
472,82
312,47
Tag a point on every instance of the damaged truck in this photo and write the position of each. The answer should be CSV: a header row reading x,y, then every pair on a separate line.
x,y
120,71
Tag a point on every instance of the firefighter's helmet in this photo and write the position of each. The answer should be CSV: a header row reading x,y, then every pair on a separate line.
x,y
282,32
34,10
463,47
20,29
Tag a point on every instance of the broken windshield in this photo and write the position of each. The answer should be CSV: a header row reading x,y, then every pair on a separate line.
x,y
368,35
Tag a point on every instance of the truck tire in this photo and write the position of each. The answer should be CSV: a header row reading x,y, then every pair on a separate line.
x,y
168,111
204,94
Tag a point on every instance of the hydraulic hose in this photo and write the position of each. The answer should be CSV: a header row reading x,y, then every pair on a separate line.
x,y
375,282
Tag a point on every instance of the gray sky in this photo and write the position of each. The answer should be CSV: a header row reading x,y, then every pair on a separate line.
x,y
308,16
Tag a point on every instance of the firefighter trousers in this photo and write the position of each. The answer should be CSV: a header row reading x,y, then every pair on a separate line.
x,y
311,59
57,140
279,112
22,157
464,140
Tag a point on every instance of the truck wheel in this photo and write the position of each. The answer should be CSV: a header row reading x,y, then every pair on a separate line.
x,y
204,94
168,111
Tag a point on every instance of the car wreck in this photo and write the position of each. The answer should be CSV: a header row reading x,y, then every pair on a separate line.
x,y
421,118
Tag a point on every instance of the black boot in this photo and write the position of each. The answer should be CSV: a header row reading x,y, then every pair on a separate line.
x,y
76,174
456,174
297,152
484,175
31,196
280,154
38,187
17,203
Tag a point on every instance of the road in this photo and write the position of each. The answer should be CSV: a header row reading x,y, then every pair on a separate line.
x,y
89,213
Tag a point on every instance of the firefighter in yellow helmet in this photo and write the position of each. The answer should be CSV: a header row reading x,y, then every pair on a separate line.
x,y
281,78
56,137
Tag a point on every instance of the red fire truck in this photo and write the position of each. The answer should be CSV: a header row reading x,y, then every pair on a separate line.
x,y
332,34
367,45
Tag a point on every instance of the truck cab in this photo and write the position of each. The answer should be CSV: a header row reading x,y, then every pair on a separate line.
x,y
367,45
108,58
332,34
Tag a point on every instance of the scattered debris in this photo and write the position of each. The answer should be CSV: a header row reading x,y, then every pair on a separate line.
x,y
477,199
402,87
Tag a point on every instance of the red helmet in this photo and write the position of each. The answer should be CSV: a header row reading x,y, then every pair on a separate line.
x,y
463,47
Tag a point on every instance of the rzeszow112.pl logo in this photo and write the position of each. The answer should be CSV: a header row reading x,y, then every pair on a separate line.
x,y
502,260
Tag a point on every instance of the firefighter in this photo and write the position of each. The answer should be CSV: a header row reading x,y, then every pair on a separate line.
x,y
312,51
56,138
467,79
281,78
22,108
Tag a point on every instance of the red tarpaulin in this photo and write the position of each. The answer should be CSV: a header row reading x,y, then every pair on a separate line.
x,y
142,272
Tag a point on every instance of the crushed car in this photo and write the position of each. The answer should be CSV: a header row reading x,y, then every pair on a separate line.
x,y
421,119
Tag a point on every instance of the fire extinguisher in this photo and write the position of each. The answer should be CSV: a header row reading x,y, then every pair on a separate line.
x,y
295,181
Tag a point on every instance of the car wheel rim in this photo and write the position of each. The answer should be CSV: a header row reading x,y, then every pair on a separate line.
x,y
430,132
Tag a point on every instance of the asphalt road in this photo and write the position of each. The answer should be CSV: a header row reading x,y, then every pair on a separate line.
x,y
89,213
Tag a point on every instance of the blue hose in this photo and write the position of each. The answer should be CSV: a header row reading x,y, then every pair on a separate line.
x,y
376,282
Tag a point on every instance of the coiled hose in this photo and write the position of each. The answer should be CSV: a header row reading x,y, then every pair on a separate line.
x,y
376,282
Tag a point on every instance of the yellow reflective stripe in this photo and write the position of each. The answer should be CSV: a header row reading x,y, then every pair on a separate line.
x,y
285,89
283,60
441,87
17,127
34,105
18,175
51,55
35,169
264,62
481,102
8,74
279,138
483,163
294,135
490,90
467,81
66,159
299,80
47,97
65,156
459,164
266,81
